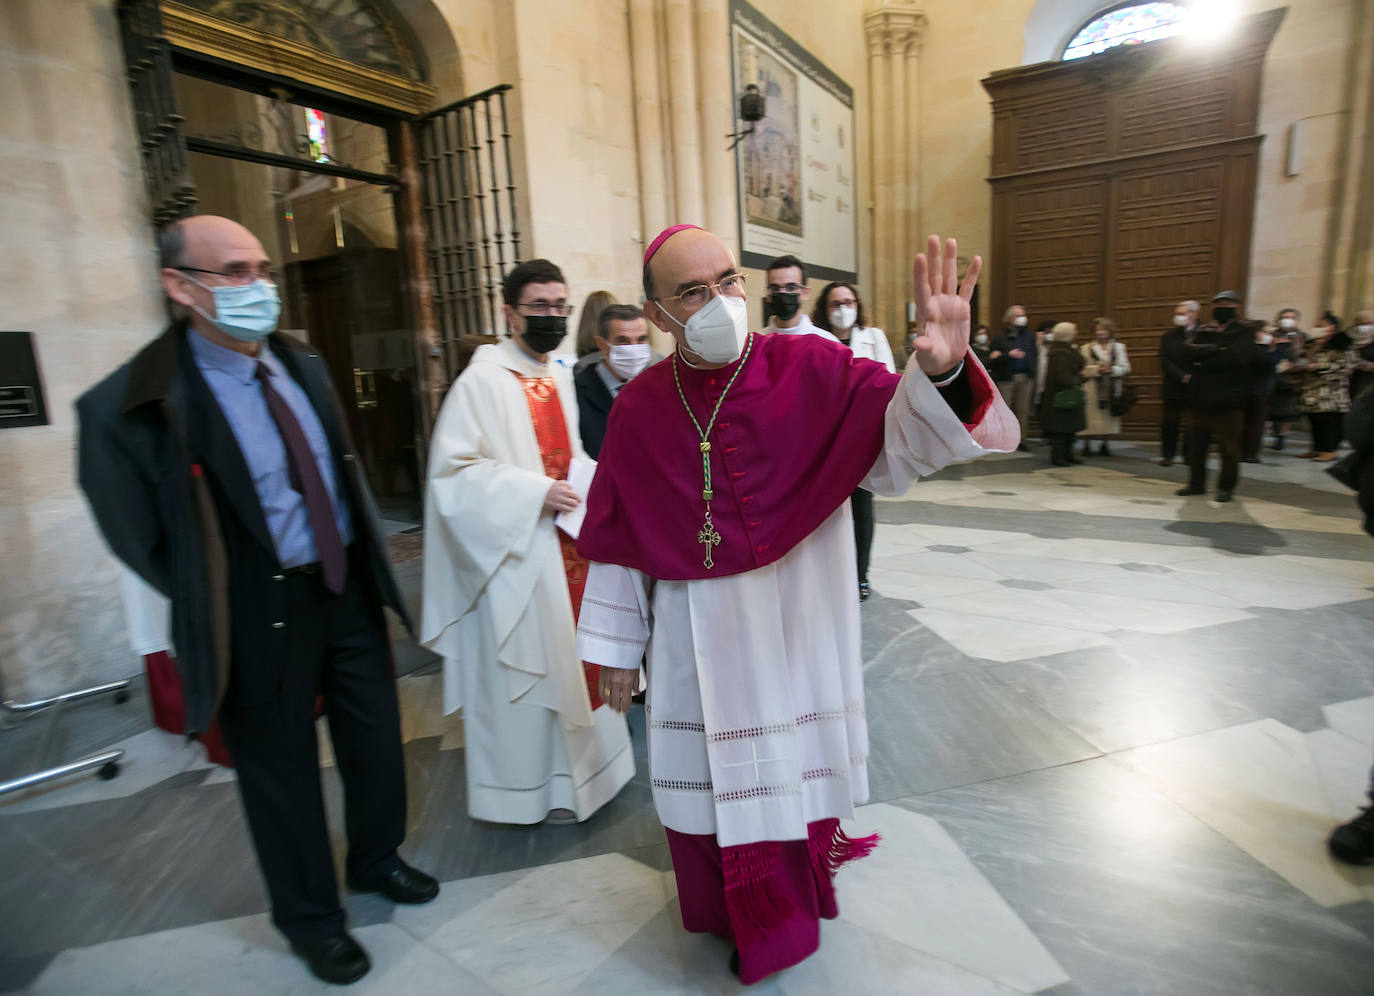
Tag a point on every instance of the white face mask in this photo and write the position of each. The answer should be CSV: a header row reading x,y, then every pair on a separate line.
x,y
717,332
844,316
628,360
981,338
1180,320
1288,323
1020,322
1266,338
1365,330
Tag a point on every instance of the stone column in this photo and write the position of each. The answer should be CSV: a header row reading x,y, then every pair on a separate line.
x,y
717,119
893,31
680,54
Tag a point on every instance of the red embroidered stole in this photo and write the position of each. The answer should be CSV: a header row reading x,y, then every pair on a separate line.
x,y
555,449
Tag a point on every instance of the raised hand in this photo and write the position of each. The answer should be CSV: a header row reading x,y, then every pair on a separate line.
x,y
942,306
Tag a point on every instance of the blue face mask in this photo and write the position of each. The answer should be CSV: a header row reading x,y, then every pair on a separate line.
x,y
248,312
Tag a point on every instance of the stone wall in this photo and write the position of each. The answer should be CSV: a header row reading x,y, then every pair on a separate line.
x,y
76,268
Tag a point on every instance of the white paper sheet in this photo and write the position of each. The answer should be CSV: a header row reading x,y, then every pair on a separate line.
x,y
580,474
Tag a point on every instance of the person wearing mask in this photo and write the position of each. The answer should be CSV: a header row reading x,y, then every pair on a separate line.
x,y
220,469
1175,377
1062,413
1257,408
1223,362
1326,364
623,346
503,580
1362,337
589,326
1285,395
786,294
981,344
1105,369
841,312
1017,343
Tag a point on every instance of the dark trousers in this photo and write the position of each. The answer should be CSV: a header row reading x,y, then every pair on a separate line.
x,y
336,646
1223,426
1061,447
1327,429
861,502
1169,426
1256,414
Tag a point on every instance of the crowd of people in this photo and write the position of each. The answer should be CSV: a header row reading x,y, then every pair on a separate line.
x,y
678,518
1226,381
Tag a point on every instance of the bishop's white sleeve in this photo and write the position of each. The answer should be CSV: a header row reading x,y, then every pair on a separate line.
x,y
922,434
614,624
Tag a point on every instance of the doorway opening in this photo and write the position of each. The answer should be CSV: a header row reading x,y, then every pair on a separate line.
x,y
317,187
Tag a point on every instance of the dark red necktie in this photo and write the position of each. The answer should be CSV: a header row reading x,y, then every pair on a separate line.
x,y
305,478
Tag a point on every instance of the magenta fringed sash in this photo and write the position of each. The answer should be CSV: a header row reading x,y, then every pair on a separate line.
x,y
752,899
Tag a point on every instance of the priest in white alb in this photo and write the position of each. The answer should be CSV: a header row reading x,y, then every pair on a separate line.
x,y
503,583
719,535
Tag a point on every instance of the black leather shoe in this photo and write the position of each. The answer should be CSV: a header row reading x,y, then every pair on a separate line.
x,y
403,885
1223,496
1353,842
1189,492
338,960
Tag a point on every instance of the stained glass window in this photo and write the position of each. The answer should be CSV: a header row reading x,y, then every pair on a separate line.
x,y
1133,25
318,135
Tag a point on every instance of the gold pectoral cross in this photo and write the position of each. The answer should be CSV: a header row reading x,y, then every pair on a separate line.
x,y
708,537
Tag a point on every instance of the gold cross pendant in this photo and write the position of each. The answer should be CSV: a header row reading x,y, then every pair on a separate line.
x,y
709,537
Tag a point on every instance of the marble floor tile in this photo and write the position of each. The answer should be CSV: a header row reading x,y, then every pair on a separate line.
x,y
978,636
895,581
1171,587
247,956
957,728
1361,572
963,535
552,926
1258,786
1354,718
931,564
1053,549
1132,895
918,889
864,963
1034,568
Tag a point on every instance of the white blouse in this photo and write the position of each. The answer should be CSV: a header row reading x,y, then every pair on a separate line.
x,y
872,344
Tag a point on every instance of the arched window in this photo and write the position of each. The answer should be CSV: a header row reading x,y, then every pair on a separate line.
x,y
1132,24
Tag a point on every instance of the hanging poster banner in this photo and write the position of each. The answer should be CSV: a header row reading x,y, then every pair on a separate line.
x,y
796,171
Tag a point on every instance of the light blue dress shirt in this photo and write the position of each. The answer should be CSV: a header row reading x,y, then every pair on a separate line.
x,y
232,379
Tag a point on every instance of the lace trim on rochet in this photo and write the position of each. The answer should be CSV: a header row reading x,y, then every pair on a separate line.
x,y
760,791
750,732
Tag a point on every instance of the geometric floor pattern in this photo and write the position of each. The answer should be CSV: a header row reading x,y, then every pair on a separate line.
x,y
1111,729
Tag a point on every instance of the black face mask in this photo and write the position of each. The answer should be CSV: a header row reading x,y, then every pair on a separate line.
x,y
543,333
785,306
1223,313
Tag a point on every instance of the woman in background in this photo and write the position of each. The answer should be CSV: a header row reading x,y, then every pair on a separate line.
x,y
840,312
1327,361
1105,369
1061,407
589,327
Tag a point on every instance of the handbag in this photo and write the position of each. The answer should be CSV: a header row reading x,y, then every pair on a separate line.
x,y
1124,400
1069,398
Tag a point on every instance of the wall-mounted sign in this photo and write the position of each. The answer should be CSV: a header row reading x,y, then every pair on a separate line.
x,y
796,171
21,389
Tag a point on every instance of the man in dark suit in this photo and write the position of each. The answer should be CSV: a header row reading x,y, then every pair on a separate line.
x,y
624,344
1173,363
219,467
1222,363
